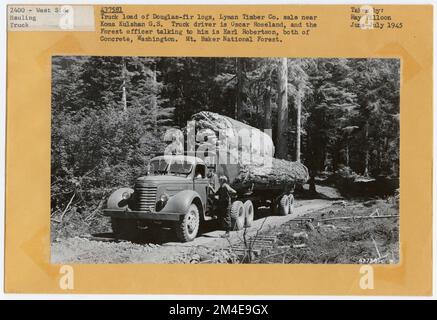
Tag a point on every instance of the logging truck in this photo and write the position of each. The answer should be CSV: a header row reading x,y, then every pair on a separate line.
x,y
178,191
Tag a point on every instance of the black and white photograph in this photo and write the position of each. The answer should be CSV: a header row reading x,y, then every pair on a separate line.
x,y
224,160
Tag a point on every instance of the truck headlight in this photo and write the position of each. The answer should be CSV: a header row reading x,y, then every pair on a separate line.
x,y
164,197
125,195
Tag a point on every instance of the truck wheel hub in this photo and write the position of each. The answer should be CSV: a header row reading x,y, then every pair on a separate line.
x,y
191,222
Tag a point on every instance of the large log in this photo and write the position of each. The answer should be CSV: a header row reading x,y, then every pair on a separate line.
x,y
235,134
248,160
264,171
279,172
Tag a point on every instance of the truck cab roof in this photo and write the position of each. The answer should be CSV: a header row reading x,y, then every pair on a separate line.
x,y
180,157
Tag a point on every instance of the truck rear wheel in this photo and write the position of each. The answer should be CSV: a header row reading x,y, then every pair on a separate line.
x,y
284,205
290,204
188,226
248,213
126,229
237,215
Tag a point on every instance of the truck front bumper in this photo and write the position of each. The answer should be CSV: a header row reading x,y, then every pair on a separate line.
x,y
141,215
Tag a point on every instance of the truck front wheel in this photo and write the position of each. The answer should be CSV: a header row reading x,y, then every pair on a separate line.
x,y
188,226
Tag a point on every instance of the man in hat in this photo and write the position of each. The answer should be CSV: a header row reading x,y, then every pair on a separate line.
x,y
224,194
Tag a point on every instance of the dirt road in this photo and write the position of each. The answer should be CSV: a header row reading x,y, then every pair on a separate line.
x,y
163,248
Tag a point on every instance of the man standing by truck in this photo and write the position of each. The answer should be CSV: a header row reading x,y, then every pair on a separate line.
x,y
224,194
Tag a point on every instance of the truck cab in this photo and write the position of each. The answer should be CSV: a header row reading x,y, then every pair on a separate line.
x,y
176,191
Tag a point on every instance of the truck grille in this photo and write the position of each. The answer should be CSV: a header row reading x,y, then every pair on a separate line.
x,y
145,197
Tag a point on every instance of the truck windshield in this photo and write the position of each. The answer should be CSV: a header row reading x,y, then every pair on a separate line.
x,y
180,167
158,166
177,166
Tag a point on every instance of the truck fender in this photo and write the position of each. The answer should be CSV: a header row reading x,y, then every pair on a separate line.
x,y
115,200
180,202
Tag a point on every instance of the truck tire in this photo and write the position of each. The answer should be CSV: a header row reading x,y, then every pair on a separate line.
x,y
248,213
126,229
188,226
284,205
237,215
291,204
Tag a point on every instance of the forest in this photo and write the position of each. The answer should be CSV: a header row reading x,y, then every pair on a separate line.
x,y
109,114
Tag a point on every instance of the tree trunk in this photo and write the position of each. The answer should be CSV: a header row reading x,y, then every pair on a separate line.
x,y
379,156
366,157
347,153
321,164
312,185
298,121
124,76
154,102
240,87
326,161
267,101
281,136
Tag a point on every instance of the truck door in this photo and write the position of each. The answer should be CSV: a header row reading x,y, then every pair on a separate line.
x,y
201,182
